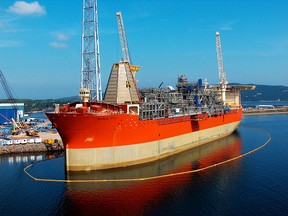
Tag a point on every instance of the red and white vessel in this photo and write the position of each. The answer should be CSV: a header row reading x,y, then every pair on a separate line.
x,y
133,127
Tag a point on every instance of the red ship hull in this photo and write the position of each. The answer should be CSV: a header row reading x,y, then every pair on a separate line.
x,y
107,140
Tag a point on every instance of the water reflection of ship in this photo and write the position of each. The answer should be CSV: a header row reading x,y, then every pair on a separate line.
x,y
131,198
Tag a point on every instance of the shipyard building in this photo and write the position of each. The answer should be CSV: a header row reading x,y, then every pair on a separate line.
x,y
7,111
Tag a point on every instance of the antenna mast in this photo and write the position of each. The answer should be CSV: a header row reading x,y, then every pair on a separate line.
x,y
222,75
90,74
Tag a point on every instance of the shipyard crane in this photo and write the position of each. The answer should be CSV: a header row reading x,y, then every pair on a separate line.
x,y
222,75
9,95
13,103
124,44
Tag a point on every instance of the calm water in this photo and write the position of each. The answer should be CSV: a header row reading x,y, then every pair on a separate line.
x,y
254,185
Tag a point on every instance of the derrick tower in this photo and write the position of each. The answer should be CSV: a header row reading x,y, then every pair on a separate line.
x,y
90,74
222,75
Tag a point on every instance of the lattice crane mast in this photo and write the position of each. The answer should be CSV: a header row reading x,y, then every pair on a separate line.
x,y
13,103
222,75
9,95
90,74
124,44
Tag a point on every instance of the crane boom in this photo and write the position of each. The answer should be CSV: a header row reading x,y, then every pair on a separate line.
x,y
8,92
123,40
19,118
124,44
222,75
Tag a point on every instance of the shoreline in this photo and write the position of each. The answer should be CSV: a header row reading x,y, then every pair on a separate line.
x,y
31,148
264,113
34,147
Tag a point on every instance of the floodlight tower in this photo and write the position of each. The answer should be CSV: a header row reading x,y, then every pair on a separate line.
x,y
90,74
222,75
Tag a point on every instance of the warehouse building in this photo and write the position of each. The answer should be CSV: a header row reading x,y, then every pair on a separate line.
x,y
7,112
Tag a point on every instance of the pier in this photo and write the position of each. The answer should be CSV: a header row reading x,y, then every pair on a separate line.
x,y
42,146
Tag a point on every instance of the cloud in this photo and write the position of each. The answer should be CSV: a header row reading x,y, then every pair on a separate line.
x,y
9,43
228,26
61,36
59,39
58,45
26,9
9,25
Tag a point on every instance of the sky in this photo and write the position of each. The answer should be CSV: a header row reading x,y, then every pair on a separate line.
x,y
40,42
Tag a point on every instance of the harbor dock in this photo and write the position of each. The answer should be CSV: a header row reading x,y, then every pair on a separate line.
x,y
43,142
